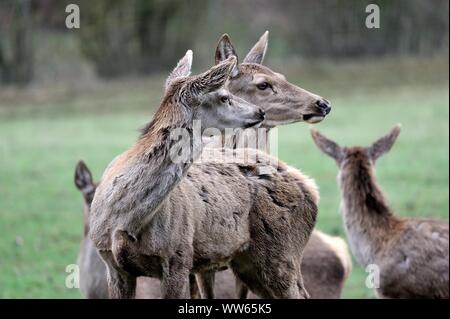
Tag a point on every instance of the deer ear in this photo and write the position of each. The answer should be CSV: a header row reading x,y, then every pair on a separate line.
x,y
327,146
212,79
83,177
257,53
224,50
384,144
182,69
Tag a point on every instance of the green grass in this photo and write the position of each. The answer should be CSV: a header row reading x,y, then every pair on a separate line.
x,y
42,138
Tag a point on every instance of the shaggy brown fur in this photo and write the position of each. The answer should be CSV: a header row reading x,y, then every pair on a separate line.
x,y
412,254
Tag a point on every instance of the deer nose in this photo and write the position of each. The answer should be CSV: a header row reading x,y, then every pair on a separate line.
x,y
324,105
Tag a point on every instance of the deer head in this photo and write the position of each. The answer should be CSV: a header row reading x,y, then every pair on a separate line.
x,y
346,156
282,101
205,98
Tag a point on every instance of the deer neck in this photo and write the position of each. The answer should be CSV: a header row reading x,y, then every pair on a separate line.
x,y
367,217
159,167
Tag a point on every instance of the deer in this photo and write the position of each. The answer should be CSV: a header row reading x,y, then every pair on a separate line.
x,y
326,260
282,101
411,254
158,217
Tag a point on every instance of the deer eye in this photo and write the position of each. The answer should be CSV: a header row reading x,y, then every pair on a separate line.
x,y
262,86
225,99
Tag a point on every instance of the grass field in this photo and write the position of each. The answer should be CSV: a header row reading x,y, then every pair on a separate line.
x,y
43,133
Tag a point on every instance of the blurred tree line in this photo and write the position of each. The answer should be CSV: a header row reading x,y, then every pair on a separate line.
x,y
142,36
337,28
16,47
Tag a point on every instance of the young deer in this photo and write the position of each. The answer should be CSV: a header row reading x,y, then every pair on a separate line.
x,y
411,254
148,220
326,260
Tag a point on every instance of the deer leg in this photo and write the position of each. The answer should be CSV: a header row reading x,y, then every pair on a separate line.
x,y
121,285
292,286
285,280
206,282
277,287
175,279
277,280
193,287
247,274
241,289
301,288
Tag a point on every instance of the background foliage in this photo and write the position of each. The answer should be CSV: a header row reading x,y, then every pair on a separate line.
x,y
145,36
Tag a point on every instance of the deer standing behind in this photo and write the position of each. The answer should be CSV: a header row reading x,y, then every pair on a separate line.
x,y
412,254
326,260
147,220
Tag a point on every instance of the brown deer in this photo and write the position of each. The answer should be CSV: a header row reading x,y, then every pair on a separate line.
x,y
410,253
148,220
326,263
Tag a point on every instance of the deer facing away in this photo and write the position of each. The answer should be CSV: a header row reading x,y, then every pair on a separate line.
x,y
148,220
412,254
